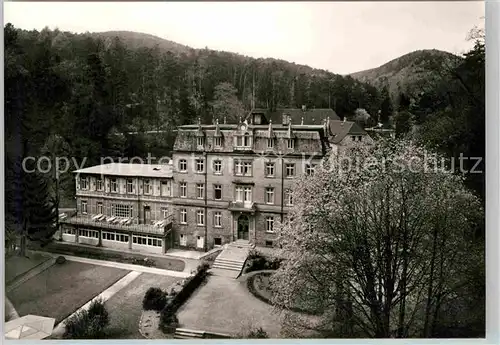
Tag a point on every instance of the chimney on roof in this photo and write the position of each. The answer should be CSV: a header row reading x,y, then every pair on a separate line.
x,y
224,120
304,107
302,121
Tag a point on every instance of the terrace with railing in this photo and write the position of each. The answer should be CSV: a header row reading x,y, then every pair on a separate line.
x,y
103,222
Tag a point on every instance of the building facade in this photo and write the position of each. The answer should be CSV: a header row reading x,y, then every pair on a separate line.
x,y
122,206
225,182
235,181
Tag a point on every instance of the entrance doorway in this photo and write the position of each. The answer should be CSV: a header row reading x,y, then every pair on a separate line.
x,y
243,227
147,214
199,242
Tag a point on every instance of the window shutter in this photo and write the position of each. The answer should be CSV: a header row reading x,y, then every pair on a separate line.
x,y
93,183
77,183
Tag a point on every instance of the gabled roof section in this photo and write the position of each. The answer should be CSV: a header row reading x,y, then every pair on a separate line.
x,y
199,131
340,129
217,132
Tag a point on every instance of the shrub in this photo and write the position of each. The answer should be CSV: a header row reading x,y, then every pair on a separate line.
x,y
203,266
258,333
168,320
88,324
154,299
60,260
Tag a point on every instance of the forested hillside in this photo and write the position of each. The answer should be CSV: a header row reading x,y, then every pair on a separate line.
x,y
410,73
72,94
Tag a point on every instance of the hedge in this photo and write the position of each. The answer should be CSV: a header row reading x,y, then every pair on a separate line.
x,y
168,320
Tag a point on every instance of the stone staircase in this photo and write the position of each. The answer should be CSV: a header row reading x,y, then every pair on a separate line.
x,y
184,333
231,260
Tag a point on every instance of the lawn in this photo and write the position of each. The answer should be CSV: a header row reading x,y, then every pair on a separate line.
x,y
225,305
111,255
61,289
17,265
125,307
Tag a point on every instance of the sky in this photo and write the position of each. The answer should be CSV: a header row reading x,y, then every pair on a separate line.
x,y
342,37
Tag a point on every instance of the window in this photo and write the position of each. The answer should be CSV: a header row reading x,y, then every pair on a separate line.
x,y
183,189
269,243
270,143
147,186
183,165
290,143
183,240
84,207
183,218
99,184
89,233
243,141
147,241
270,224
239,194
238,167
269,169
288,198
200,141
84,183
200,217
130,186
111,236
200,188
246,140
247,194
217,192
217,241
360,137
200,166
353,138
165,188
164,212
119,210
69,231
310,169
218,141
217,166
243,168
269,195
247,168
114,185
239,141
100,209
290,169
217,219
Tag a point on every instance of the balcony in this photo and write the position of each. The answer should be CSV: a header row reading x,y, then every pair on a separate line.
x,y
102,222
237,206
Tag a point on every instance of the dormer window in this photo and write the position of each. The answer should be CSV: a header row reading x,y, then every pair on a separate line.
x,y
200,141
246,140
290,144
218,141
243,140
270,143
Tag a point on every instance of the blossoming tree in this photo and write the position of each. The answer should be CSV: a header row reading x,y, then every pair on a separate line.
x,y
378,242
